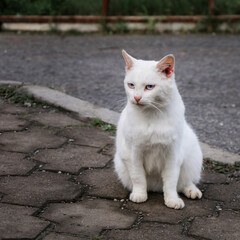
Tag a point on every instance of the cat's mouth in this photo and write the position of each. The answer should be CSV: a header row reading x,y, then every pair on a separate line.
x,y
139,104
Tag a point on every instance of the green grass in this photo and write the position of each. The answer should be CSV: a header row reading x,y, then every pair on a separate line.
x,y
103,125
116,7
12,96
222,167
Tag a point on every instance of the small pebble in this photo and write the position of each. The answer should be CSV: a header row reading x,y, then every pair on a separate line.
x,y
27,104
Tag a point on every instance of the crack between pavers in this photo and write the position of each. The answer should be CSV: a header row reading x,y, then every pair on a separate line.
x,y
135,225
198,237
78,172
45,205
41,169
19,204
46,231
17,238
37,149
187,222
162,222
25,128
114,199
83,145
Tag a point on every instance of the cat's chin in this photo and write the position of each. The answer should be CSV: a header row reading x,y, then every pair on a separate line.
x,y
140,105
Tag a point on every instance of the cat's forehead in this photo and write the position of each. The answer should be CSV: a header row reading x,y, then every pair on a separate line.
x,y
145,63
142,69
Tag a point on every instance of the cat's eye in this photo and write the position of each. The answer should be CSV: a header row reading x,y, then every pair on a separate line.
x,y
131,85
149,87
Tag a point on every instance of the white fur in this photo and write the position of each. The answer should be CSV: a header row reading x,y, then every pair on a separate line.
x,y
156,150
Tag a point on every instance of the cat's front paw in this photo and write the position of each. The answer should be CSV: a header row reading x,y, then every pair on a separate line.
x,y
138,197
176,203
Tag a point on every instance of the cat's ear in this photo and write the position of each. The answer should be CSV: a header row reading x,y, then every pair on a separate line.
x,y
129,60
166,65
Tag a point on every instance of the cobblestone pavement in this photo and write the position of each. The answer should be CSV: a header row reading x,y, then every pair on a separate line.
x,y
92,68
57,182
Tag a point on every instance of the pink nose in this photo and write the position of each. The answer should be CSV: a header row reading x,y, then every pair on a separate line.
x,y
137,98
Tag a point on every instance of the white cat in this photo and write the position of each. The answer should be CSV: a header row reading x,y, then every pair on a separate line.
x,y
156,150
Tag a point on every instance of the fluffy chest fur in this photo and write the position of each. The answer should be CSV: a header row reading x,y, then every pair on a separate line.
x,y
152,134
146,129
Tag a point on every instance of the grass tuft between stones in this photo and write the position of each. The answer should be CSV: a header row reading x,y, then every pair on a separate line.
x,y
96,122
221,167
12,96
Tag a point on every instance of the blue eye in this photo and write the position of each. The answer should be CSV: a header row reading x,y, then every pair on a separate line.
x,y
149,87
131,85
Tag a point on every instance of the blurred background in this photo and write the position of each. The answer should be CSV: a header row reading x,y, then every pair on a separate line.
x,y
117,7
85,60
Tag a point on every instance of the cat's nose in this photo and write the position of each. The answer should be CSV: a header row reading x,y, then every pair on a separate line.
x,y
137,98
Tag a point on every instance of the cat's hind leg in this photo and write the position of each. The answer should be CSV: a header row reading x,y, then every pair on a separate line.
x,y
122,172
190,174
191,191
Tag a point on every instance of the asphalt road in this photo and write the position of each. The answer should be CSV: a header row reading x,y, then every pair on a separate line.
x,y
91,68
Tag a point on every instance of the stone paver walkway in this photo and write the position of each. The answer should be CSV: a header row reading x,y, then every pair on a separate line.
x,y
57,182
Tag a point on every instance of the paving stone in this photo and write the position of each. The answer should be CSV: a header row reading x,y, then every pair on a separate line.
x,y
71,158
30,140
12,108
38,188
155,210
55,119
226,226
228,193
88,218
10,122
89,136
57,236
109,149
14,164
104,183
148,231
17,222
213,177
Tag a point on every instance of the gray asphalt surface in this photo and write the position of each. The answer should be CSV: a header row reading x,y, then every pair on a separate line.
x,y
92,68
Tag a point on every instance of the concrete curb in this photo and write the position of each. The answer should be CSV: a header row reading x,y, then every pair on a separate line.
x,y
84,109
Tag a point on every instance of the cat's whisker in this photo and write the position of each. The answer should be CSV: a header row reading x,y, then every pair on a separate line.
x,y
152,103
155,107
120,103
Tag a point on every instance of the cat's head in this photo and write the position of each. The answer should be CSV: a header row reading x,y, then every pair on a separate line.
x,y
149,84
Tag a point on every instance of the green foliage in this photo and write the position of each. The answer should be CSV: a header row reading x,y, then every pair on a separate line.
x,y
227,7
11,95
50,7
104,126
116,7
222,167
